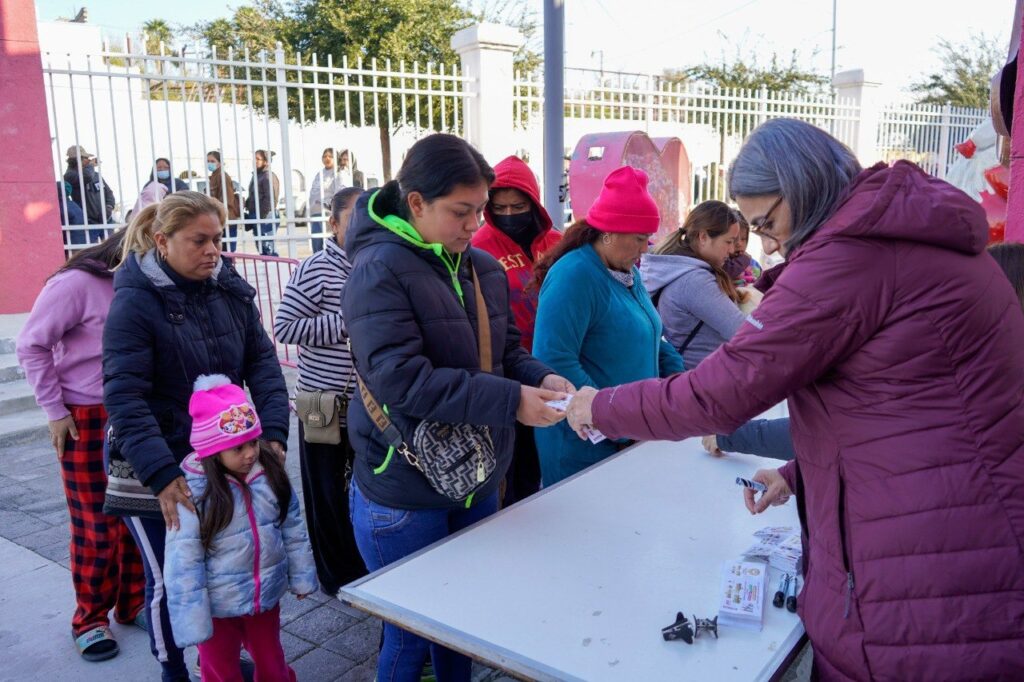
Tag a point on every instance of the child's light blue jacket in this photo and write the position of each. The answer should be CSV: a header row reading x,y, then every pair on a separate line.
x,y
249,565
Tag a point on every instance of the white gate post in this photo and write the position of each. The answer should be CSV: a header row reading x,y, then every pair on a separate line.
x,y
286,149
486,51
942,158
854,85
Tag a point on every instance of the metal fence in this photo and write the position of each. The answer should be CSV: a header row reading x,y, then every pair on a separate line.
x,y
926,134
130,109
713,122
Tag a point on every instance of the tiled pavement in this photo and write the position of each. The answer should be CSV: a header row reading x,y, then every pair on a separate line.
x,y
323,639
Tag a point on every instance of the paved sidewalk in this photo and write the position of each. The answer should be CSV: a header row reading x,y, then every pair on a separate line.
x,y
323,639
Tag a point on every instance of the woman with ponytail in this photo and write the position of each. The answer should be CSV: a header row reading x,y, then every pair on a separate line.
x,y
696,298
60,349
179,311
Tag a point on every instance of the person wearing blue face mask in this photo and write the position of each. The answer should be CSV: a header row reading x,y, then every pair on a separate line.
x,y
222,188
162,173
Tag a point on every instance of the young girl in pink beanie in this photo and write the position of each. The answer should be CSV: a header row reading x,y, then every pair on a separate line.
x,y
227,568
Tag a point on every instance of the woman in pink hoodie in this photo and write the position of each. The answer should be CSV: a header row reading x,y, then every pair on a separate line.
x,y
900,347
60,348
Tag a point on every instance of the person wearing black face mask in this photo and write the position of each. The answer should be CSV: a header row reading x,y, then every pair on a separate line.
x,y
518,231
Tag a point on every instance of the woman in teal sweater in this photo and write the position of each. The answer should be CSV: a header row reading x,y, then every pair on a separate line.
x,y
596,325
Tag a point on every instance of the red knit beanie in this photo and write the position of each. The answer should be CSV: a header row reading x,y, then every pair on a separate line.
x,y
624,204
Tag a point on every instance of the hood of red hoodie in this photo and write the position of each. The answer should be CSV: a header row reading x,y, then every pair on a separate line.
x,y
513,173
903,202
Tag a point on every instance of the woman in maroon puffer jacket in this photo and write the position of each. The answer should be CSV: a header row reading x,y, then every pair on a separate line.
x,y
900,345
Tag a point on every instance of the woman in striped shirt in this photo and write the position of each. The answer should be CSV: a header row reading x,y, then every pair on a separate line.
x,y
310,316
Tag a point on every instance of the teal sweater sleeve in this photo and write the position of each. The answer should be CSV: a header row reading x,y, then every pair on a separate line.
x,y
566,308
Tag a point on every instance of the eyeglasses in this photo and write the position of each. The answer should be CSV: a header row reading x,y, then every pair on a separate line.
x,y
761,227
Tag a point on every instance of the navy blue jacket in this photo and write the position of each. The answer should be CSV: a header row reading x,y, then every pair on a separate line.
x,y
162,333
764,437
414,343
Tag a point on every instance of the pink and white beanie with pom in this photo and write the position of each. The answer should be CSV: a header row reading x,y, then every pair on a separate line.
x,y
222,416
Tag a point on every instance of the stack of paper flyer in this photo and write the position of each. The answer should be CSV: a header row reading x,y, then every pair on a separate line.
x,y
786,557
744,584
780,546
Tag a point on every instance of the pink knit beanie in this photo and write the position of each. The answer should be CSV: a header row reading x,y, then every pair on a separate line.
x,y
624,204
222,417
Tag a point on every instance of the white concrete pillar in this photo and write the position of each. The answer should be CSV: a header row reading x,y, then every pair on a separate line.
x,y
486,51
853,84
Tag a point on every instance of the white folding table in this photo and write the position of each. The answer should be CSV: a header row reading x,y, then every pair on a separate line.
x,y
576,582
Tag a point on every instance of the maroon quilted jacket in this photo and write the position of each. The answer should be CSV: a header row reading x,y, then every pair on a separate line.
x,y
900,346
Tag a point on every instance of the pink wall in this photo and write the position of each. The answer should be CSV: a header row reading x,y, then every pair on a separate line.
x,y
31,247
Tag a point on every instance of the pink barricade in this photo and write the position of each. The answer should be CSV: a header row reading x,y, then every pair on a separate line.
x,y
268,275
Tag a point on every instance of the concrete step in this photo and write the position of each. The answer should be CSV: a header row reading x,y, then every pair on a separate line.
x,y
23,426
10,370
16,396
7,345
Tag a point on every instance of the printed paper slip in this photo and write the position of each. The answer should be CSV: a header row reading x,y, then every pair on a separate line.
x,y
594,435
743,590
786,557
778,545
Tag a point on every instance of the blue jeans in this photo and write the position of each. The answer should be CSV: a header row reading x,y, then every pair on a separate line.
x,y
231,238
264,229
385,535
317,226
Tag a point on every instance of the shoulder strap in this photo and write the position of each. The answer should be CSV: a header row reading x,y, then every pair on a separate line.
x,y
689,339
483,325
381,419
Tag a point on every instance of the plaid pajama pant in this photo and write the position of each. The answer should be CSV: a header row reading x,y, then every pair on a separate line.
x,y
105,565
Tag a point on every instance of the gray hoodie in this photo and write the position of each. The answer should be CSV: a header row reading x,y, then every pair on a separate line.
x,y
687,294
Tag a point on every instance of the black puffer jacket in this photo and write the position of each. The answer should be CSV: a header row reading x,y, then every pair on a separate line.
x,y
415,345
162,333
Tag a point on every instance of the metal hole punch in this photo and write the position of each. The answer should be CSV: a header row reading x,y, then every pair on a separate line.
x,y
705,625
682,629
678,630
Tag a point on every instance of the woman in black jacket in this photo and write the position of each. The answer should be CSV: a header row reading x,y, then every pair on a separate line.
x,y
261,204
179,311
411,312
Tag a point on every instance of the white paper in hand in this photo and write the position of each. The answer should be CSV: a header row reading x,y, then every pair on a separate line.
x,y
560,405
594,435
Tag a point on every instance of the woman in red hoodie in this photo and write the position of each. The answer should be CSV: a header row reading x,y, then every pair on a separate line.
x,y
518,231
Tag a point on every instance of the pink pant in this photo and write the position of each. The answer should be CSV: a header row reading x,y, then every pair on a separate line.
x,y
259,634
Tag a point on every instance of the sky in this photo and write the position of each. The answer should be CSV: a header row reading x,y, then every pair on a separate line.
x,y
891,40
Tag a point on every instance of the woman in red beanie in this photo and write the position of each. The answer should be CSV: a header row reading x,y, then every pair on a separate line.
x,y
596,325
517,232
